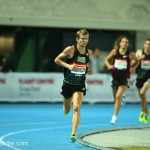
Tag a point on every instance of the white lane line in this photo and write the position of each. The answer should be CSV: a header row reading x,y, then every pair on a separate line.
x,y
23,131
50,128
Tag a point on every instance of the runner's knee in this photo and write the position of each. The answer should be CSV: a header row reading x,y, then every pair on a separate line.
x,y
76,108
118,97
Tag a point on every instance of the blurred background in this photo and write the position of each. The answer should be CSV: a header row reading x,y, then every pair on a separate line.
x,y
34,32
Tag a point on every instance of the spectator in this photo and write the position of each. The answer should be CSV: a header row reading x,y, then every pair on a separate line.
x,y
5,64
97,61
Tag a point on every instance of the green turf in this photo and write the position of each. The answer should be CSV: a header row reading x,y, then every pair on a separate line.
x,y
134,148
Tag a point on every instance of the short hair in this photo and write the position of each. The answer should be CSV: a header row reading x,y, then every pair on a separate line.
x,y
81,32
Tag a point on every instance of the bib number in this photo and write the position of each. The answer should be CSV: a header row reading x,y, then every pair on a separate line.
x,y
120,64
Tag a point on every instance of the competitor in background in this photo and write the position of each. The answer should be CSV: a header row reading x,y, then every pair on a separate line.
x,y
143,79
75,69
118,61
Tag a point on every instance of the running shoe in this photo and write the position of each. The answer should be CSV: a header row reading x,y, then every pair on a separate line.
x,y
141,117
123,100
113,120
65,113
146,119
73,138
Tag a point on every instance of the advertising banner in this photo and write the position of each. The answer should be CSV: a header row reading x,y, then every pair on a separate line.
x,y
46,87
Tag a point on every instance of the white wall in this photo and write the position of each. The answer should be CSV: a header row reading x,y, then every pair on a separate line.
x,y
98,14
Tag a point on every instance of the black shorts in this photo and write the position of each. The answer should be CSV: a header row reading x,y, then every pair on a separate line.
x,y
115,83
140,82
69,89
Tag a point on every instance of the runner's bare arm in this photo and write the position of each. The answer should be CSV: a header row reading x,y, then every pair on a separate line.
x,y
90,70
109,58
134,62
68,52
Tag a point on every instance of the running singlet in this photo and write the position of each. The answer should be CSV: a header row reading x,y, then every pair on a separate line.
x,y
78,76
121,66
144,68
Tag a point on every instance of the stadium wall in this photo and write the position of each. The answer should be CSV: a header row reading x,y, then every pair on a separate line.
x,y
95,14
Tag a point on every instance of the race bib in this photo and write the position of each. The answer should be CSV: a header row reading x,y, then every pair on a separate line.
x,y
145,64
81,69
120,64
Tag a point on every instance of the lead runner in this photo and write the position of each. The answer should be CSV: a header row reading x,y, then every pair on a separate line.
x,y
75,60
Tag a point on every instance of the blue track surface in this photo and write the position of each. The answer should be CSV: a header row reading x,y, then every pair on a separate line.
x,y
44,127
